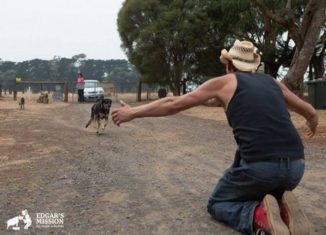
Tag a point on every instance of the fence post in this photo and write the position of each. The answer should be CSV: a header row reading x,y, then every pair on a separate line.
x,y
139,91
66,91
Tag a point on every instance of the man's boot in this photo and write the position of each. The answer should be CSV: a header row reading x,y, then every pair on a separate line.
x,y
293,216
267,218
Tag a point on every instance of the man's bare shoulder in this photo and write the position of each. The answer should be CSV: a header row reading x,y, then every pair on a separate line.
x,y
226,86
224,80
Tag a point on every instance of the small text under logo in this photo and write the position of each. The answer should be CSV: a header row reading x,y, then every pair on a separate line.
x,y
50,220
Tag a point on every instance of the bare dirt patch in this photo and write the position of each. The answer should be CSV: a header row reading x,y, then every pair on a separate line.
x,y
150,176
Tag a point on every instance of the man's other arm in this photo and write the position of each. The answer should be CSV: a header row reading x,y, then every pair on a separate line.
x,y
301,107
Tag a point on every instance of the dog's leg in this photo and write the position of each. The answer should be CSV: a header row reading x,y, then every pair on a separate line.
x,y
103,124
98,126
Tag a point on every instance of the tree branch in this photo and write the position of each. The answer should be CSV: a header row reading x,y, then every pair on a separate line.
x,y
289,24
289,11
264,9
307,16
293,31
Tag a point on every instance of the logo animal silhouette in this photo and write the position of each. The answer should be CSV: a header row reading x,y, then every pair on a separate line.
x,y
13,223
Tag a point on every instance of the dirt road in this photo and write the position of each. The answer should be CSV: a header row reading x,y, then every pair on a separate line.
x,y
150,176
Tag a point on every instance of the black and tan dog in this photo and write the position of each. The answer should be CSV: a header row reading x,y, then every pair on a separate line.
x,y
100,114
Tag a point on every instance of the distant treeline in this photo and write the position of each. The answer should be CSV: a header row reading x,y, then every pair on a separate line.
x,y
119,72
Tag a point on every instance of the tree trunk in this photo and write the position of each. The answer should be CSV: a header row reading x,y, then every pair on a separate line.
x,y
272,69
175,89
313,19
311,75
139,91
305,37
184,90
175,86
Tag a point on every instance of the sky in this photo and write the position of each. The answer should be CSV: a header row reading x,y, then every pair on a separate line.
x,y
42,29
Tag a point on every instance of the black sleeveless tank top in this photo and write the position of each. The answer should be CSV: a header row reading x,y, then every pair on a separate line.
x,y
260,120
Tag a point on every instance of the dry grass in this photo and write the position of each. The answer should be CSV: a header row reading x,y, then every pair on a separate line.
x,y
217,113
203,112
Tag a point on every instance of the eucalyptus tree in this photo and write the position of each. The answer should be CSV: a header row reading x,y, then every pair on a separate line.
x,y
246,21
171,41
304,30
168,41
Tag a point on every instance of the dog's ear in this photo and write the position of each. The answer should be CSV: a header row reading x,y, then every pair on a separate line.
x,y
108,101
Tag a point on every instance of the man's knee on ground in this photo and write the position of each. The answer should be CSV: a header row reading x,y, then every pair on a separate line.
x,y
214,211
210,209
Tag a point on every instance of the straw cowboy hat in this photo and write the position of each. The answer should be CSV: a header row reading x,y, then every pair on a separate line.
x,y
242,56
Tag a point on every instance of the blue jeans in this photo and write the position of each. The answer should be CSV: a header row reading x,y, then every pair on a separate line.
x,y
244,185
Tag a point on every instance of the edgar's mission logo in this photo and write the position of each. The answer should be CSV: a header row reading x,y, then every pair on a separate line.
x,y
50,220
13,223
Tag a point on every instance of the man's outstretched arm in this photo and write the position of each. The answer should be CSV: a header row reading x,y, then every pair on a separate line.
x,y
169,105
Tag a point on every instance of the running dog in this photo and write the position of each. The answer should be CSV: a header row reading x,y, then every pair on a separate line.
x,y
100,114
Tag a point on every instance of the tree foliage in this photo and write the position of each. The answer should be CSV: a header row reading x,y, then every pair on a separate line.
x,y
168,41
65,69
271,39
172,41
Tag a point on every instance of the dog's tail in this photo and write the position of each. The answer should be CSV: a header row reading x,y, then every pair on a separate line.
x,y
92,118
89,122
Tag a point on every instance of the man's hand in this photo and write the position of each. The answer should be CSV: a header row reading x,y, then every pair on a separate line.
x,y
312,124
122,114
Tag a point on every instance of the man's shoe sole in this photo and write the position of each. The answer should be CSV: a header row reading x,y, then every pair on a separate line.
x,y
272,210
298,222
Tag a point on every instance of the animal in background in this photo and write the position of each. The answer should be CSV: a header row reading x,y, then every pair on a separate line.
x,y
22,103
100,114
